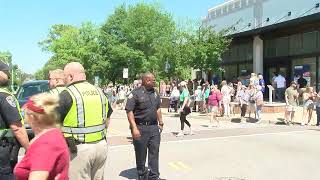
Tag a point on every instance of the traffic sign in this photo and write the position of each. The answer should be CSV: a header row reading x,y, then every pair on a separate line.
x,y
125,73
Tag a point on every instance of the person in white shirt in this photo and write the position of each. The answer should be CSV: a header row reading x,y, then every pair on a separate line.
x,y
280,83
121,97
174,98
226,98
198,97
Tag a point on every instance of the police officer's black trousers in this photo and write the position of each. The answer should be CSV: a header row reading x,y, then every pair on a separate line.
x,y
6,171
148,142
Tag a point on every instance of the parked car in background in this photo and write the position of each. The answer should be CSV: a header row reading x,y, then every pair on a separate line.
x,y
31,88
28,89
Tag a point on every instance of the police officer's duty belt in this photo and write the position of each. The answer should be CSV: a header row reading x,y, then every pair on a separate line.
x,y
83,130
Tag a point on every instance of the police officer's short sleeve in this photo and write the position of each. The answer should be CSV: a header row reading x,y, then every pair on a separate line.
x,y
131,103
9,110
65,103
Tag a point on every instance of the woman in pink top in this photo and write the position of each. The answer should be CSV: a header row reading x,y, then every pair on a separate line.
x,y
48,156
213,105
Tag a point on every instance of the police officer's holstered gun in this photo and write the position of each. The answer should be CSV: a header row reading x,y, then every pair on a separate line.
x,y
13,146
72,144
14,152
5,149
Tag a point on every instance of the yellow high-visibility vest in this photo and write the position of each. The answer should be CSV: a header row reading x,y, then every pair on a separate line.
x,y
57,90
86,119
5,90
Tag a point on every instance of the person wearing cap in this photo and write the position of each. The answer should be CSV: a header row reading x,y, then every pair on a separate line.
x,y
85,112
291,98
11,125
48,154
56,81
145,119
184,108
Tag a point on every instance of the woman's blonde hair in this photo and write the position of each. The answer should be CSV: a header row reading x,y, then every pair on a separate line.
x,y
223,83
49,103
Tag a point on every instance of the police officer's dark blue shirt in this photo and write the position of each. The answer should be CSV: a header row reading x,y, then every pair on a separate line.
x,y
144,104
9,113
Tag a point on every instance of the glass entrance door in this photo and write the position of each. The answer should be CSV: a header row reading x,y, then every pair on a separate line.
x,y
282,67
271,68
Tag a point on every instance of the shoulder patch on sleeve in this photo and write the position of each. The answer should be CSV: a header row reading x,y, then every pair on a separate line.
x,y
11,101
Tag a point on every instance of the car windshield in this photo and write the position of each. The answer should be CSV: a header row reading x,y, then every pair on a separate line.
x,y
26,91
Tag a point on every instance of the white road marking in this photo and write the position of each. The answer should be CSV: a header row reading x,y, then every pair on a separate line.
x,y
216,138
206,139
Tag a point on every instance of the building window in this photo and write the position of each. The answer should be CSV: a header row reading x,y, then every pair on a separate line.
x,y
282,45
231,6
245,69
218,12
230,72
225,9
243,3
239,52
269,48
237,4
307,68
309,42
295,44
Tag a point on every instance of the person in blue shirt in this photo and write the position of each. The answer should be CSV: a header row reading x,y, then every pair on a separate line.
x,y
261,82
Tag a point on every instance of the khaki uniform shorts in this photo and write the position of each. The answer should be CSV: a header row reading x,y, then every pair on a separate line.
x,y
89,162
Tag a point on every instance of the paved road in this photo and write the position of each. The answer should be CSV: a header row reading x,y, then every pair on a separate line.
x,y
233,151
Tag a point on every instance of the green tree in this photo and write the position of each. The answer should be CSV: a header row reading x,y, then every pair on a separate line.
x,y
209,46
139,37
17,75
142,37
6,57
69,43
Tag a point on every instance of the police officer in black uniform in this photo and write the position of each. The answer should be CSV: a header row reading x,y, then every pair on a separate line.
x,y
11,126
144,116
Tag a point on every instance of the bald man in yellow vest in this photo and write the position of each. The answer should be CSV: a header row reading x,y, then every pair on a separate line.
x,y
85,111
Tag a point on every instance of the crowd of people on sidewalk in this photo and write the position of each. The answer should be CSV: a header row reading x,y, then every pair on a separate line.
x,y
222,98
225,98
218,99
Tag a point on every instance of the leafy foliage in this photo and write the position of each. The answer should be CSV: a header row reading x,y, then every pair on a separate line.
x,y
6,57
142,38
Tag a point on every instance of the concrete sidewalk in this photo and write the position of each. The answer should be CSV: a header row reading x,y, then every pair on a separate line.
x,y
273,118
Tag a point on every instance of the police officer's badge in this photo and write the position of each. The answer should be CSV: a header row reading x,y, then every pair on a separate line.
x,y
130,96
11,101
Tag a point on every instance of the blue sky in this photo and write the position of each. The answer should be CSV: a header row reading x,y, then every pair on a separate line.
x,y
24,23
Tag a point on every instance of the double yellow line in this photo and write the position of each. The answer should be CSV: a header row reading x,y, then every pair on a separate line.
x,y
179,166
